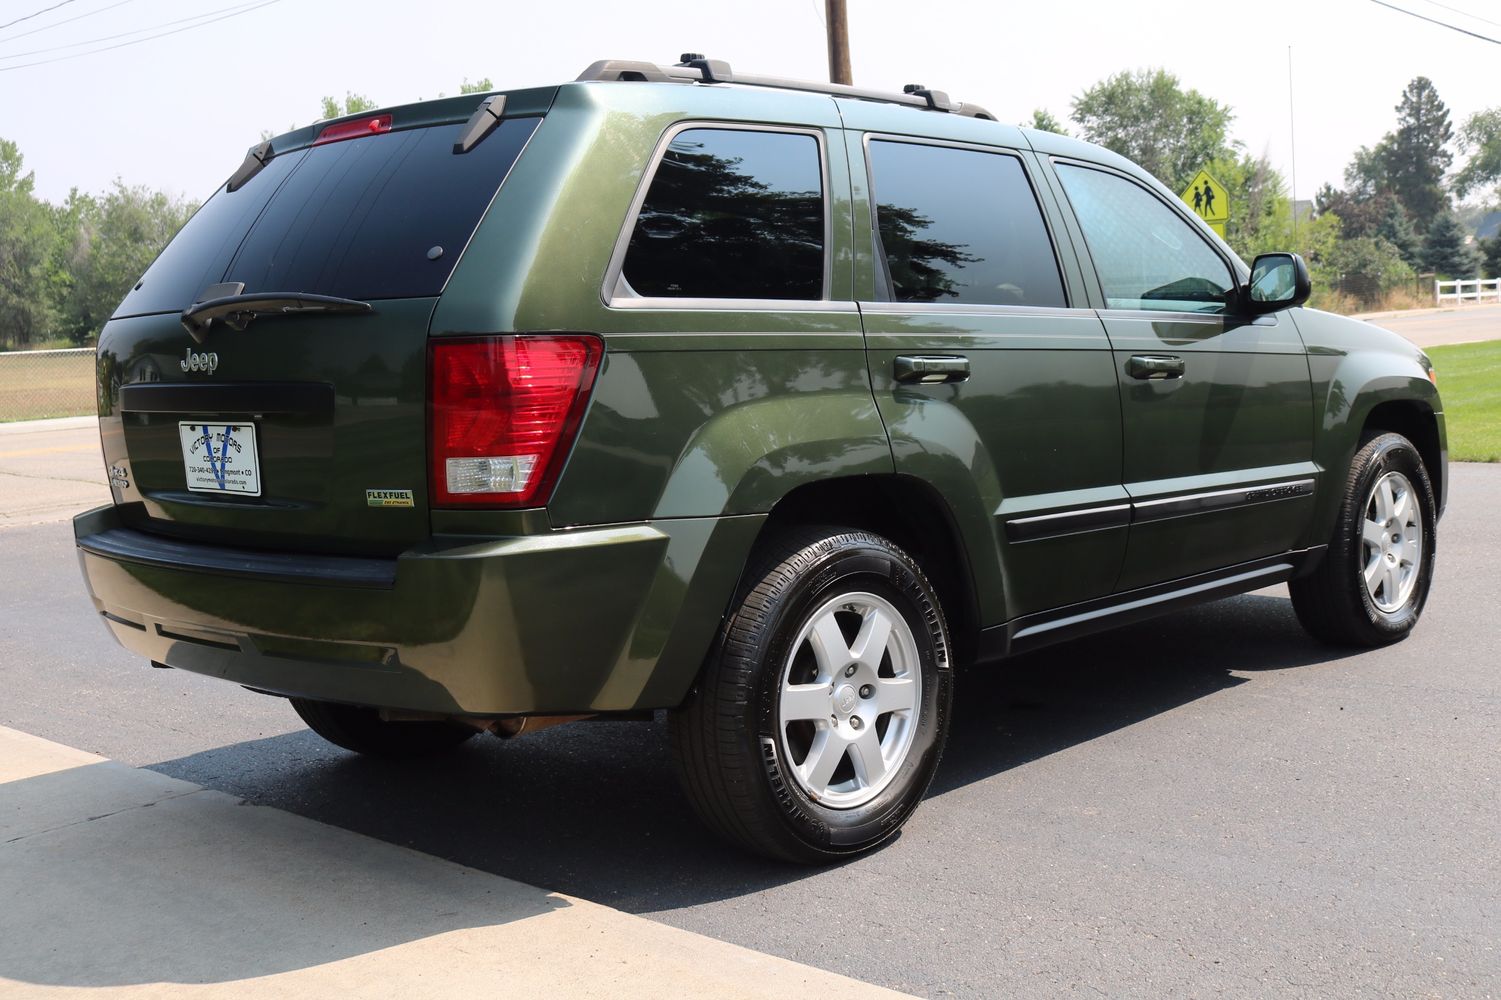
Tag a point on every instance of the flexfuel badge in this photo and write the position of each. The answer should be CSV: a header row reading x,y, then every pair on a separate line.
x,y
388,498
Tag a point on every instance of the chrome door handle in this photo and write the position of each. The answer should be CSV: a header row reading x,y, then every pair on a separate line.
x,y
1155,366
931,369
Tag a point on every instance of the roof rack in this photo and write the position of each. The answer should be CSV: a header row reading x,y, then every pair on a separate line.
x,y
695,68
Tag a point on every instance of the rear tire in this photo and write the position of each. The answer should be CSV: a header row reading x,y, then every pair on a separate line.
x,y
361,729
1373,582
819,719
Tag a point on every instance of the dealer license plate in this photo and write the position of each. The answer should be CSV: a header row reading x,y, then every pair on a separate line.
x,y
220,458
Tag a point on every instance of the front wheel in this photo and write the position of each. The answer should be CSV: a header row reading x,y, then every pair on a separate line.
x,y
819,720
1372,585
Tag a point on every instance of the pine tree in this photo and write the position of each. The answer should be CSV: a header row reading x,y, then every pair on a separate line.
x,y
1397,230
1445,252
1492,248
1415,155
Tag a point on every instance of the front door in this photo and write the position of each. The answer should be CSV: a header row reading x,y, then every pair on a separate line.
x,y
1218,407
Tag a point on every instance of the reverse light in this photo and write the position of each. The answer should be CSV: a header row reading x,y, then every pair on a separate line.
x,y
503,414
339,131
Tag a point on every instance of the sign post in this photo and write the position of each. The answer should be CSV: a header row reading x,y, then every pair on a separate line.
x,y
1210,200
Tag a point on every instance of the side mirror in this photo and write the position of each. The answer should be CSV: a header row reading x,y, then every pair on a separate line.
x,y
1278,281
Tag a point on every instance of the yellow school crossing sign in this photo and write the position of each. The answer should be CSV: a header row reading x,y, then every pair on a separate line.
x,y
1208,197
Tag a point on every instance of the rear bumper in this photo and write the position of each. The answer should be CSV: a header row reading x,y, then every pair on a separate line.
x,y
615,618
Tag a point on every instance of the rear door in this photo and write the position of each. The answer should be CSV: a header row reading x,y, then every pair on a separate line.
x,y
1218,407
316,422
994,384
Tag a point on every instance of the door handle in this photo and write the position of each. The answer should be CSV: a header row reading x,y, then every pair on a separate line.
x,y
1155,366
931,369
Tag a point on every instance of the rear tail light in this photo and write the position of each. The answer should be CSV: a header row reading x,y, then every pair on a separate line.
x,y
503,414
374,125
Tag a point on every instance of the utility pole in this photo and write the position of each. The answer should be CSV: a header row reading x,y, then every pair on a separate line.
x,y
839,43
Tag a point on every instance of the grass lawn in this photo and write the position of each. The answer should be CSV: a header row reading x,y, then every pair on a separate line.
x,y
1469,378
33,386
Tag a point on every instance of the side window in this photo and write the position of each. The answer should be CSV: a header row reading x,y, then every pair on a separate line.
x,y
732,214
961,225
1147,257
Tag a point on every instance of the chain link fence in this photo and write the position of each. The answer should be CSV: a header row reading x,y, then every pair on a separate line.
x,y
38,384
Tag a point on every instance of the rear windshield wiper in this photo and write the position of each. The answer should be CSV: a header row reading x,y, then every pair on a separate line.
x,y
237,310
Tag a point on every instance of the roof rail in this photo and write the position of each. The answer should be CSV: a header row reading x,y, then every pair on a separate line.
x,y
695,68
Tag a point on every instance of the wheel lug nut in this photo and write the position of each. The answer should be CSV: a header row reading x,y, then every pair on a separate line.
x,y
866,690
849,671
855,722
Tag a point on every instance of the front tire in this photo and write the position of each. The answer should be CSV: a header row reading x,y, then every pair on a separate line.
x,y
1373,582
819,719
361,729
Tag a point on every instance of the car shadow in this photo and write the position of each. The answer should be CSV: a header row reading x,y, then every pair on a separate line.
x,y
593,809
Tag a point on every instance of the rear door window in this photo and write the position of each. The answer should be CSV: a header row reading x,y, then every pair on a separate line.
x,y
961,225
732,214
379,217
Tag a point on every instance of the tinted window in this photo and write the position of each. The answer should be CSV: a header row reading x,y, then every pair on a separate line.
x,y
354,218
197,256
732,214
959,225
1146,255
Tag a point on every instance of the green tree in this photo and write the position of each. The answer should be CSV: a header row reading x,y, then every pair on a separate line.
x,y
1367,195
1397,230
28,239
1148,117
1359,215
1416,155
1261,216
353,105
1491,249
117,238
1481,139
1445,251
1368,266
1044,120
480,86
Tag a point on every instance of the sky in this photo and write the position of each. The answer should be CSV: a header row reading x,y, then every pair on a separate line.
x,y
177,112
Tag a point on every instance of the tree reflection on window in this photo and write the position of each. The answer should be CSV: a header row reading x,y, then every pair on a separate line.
x,y
732,214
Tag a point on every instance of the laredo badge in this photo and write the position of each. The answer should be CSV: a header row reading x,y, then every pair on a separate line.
x,y
388,498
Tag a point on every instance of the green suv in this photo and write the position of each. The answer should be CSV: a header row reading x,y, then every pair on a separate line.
x,y
765,403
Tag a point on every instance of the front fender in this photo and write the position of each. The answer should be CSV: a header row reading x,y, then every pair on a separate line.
x,y
1356,367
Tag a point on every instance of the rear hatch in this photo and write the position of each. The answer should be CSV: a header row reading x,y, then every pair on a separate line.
x,y
294,421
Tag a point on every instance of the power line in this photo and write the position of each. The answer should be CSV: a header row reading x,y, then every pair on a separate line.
x,y
124,34
67,20
35,13
1456,10
137,41
1441,24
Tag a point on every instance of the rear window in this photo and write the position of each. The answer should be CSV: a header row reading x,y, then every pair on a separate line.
x,y
732,214
380,217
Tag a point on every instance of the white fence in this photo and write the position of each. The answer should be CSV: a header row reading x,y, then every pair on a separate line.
x,y
1488,290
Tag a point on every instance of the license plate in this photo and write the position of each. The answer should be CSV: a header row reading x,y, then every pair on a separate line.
x,y
220,458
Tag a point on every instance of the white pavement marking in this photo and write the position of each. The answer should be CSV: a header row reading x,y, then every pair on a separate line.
x,y
121,882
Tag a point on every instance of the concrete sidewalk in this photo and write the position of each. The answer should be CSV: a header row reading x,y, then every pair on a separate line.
x,y
127,883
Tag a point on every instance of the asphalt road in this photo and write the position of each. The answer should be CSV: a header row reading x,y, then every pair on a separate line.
x,y
1465,324
1206,804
